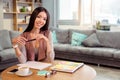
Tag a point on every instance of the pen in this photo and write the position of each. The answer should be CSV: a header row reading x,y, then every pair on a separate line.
x,y
30,40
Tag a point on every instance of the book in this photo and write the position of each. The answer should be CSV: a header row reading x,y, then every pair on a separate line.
x,y
67,66
35,65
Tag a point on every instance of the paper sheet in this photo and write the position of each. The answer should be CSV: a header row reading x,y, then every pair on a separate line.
x,y
35,65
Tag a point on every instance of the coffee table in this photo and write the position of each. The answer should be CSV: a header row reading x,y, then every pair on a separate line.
x,y
84,73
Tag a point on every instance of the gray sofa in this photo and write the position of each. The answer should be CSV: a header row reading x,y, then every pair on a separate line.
x,y
7,53
100,47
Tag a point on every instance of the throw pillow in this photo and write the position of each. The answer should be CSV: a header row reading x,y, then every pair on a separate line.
x,y
77,38
54,37
62,36
91,41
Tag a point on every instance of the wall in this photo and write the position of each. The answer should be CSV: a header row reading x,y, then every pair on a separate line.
x,y
49,5
1,16
6,23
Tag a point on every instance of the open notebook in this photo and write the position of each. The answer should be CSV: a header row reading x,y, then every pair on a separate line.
x,y
67,66
35,65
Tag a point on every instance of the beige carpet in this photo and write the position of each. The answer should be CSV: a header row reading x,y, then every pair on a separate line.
x,y
105,73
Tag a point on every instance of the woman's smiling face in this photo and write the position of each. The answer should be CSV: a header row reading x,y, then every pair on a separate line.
x,y
40,20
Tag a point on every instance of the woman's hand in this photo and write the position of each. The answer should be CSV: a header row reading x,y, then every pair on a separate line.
x,y
41,36
19,40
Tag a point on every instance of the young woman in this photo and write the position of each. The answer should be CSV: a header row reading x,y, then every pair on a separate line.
x,y
35,43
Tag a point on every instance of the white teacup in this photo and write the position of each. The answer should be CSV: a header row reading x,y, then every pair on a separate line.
x,y
23,70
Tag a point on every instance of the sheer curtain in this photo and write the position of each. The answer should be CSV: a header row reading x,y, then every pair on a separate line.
x,y
106,11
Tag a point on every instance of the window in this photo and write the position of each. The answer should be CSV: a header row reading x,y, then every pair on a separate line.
x,y
88,12
107,11
68,11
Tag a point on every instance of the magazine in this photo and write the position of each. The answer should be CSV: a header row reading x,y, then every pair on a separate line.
x,y
67,66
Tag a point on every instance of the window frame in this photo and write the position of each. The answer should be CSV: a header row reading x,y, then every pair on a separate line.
x,y
67,22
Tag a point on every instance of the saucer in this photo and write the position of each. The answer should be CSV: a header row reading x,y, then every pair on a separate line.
x,y
17,73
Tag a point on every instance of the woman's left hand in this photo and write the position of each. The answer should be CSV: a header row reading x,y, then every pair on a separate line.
x,y
41,36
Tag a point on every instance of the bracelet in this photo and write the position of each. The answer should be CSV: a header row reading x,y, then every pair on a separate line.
x,y
15,46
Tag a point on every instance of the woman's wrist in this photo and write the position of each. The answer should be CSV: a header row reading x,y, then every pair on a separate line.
x,y
15,46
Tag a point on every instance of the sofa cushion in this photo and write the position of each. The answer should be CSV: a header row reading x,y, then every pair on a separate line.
x,y
5,41
67,48
101,51
14,34
86,32
62,35
91,41
77,50
59,33
7,54
77,38
54,37
109,39
116,55
61,47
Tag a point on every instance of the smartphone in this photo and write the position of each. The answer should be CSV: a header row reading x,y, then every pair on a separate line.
x,y
12,71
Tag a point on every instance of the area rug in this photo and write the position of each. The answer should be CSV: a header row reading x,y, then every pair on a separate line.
x,y
106,73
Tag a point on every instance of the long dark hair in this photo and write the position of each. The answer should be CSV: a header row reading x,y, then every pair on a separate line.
x,y
33,17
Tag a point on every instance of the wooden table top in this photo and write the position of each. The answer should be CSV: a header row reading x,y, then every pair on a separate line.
x,y
84,73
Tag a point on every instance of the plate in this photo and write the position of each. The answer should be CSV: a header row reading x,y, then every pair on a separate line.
x,y
30,72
